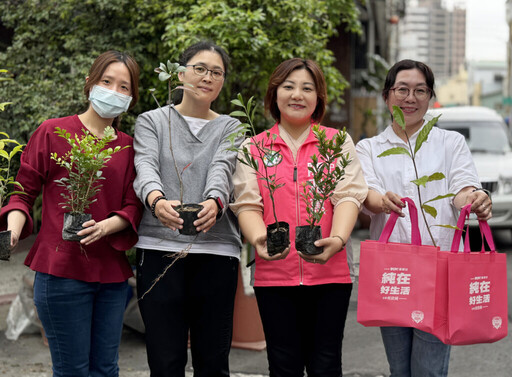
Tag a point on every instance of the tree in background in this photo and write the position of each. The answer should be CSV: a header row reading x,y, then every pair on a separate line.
x,y
55,41
54,44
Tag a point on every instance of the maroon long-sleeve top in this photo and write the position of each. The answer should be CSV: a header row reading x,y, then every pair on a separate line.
x,y
102,261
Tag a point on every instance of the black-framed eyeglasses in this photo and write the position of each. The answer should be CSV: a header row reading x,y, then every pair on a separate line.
x,y
402,92
201,70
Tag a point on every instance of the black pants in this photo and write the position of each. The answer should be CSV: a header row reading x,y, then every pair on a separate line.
x,y
303,328
197,293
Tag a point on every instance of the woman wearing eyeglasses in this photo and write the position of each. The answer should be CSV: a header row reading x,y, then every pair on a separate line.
x,y
410,85
197,293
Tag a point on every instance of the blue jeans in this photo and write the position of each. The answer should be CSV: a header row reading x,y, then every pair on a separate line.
x,y
83,323
415,353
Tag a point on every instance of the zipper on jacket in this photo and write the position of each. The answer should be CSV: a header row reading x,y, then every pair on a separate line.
x,y
297,216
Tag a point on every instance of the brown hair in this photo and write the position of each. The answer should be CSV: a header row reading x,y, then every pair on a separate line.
x,y
280,74
100,65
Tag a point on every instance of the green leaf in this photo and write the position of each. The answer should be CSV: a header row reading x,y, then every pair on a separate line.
x,y
428,178
440,197
237,102
393,151
421,181
447,226
3,104
425,131
237,113
398,116
436,177
430,210
15,150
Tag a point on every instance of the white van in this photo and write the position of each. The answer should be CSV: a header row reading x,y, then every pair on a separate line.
x,y
488,139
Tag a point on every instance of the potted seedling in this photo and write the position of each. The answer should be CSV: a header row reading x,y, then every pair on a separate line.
x,y
327,168
84,162
278,233
398,116
189,211
7,183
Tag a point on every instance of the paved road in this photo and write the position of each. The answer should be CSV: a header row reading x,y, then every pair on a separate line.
x,y
363,353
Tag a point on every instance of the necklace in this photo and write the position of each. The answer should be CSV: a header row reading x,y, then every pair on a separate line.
x,y
295,143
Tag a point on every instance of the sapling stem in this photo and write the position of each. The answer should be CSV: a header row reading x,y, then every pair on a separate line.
x,y
413,155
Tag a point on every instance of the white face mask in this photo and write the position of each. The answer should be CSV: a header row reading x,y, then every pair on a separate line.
x,y
108,103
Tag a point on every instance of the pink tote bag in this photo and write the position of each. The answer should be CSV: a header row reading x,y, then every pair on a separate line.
x,y
471,297
397,281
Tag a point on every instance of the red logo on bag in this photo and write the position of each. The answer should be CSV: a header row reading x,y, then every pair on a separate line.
x,y
417,316
496,322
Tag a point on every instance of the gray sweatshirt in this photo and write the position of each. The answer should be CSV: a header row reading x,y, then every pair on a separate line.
x,y
209,174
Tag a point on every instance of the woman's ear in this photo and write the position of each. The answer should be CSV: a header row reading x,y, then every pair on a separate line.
x,y
86,78
180,76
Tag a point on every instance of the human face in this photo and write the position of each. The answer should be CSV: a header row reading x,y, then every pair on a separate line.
x,y
297,98
116,77
205,87
414,110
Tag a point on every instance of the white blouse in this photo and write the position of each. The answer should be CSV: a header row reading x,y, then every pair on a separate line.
x,y
445,152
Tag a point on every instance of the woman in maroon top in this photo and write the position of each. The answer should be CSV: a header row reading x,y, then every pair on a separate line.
x,y
80,290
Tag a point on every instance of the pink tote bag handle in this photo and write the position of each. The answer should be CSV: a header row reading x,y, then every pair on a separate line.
x,y
390,224
485,231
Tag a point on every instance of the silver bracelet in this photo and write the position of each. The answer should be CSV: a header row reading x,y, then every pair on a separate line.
x,y
484,190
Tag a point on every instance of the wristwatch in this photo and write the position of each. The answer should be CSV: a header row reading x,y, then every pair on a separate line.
x,y
220,206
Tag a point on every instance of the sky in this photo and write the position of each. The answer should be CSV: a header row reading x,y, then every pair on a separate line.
x,y
486,28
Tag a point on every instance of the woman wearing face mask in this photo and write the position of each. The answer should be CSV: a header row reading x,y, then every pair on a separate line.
x,y
303,300
410,85
80,290
197,293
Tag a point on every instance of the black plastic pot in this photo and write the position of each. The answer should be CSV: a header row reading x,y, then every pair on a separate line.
x,y
5,245
73,224
278,239
305,236
188,212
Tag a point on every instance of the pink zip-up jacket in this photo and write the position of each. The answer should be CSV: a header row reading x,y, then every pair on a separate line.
x,y
291,208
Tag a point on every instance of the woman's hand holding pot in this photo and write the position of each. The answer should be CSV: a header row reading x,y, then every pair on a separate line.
x,y
261,249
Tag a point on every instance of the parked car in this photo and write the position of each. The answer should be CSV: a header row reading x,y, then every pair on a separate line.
x,y
489,140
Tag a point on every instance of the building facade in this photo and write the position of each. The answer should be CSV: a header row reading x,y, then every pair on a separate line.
x,y
434,35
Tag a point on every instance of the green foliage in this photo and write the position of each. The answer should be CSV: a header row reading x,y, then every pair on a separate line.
x,y
428,178
396,150
6,179
55,43
263,152
372,79
325,178
131,254
260,34
83,162
398,117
